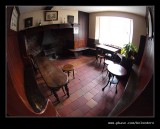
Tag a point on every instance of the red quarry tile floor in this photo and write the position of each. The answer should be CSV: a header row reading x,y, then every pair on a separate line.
x,y
86,95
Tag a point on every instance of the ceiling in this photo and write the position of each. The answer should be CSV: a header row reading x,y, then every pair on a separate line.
x,y
140,10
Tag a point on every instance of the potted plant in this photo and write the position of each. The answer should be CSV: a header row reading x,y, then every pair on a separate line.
x,y
129,51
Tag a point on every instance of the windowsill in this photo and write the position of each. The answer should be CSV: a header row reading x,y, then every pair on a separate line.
x,y
114,46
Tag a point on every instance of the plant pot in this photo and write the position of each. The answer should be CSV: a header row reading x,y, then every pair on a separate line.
x,y
127,64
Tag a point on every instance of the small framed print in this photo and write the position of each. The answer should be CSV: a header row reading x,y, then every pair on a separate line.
x,y
28,22
70,19
51,15
14,19
76,30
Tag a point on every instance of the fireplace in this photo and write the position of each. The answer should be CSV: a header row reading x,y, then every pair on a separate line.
x,y
49,41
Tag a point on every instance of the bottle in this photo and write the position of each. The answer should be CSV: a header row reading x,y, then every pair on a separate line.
x,y
40,23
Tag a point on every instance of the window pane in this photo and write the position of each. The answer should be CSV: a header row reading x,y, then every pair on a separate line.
x,y
115,30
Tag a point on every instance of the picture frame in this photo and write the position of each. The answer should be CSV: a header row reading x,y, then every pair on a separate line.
x,y
28,22
51,15
149,21
14,20
76,30
70,19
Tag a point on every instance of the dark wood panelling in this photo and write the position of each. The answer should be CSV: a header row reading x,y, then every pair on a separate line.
x,y
141,49
139,80
17,103
47,27
80,39
91,42
136,109
139,87
83,20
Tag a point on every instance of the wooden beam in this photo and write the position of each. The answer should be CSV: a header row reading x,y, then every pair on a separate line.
x,y
48,7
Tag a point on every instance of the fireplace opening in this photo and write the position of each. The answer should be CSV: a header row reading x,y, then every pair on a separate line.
x,y
51,42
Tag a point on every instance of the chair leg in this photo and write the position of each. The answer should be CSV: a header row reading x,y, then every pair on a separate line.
x,y
67,90
100,62
68,73
107,73
116,87
96,60
103,67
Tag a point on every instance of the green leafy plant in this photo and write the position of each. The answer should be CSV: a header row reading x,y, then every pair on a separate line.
x,y
129,50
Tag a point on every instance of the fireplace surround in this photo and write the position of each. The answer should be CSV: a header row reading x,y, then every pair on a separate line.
x,y
48,40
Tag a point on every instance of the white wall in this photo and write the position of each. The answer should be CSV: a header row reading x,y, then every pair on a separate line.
x,y
39,16
139,24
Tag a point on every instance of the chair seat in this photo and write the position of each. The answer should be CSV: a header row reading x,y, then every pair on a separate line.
x,y
68,67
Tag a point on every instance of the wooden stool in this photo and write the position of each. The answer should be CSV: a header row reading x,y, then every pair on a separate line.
x,y
68,68
100,57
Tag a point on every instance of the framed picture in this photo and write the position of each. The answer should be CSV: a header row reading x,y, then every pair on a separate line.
x,y
28,22
51,15
14,19
70,19
75,31
149,21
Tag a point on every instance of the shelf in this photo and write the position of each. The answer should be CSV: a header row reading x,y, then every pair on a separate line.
x,y
51,26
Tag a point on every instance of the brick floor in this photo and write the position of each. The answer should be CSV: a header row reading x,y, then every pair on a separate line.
x,y
86,95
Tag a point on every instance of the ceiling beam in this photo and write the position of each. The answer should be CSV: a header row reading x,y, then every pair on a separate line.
x,y
48,7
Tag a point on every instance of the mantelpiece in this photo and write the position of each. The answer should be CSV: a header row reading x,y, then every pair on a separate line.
x,y
50,26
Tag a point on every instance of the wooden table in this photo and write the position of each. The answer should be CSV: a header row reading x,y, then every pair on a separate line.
x,y
54,77
115,71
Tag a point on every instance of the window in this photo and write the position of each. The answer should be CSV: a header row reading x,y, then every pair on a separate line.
x,y
115,31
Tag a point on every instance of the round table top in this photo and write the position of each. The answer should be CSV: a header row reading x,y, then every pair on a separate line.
x,y
68,67
117,69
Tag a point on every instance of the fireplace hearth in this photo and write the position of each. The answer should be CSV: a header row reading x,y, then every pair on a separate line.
x,y
51,53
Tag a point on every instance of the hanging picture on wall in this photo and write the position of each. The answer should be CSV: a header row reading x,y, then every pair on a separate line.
x,y
70,19
51,15
14,20
75,31
28,22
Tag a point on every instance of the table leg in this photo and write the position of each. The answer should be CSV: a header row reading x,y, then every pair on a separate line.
x,y
55,94
63,90
105,86
67,90
109,76
116,87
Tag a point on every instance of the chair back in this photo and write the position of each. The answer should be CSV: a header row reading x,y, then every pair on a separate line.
x,y
32,61
116,58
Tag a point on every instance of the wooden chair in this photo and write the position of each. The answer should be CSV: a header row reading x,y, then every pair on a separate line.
x,y
113,59
100,55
